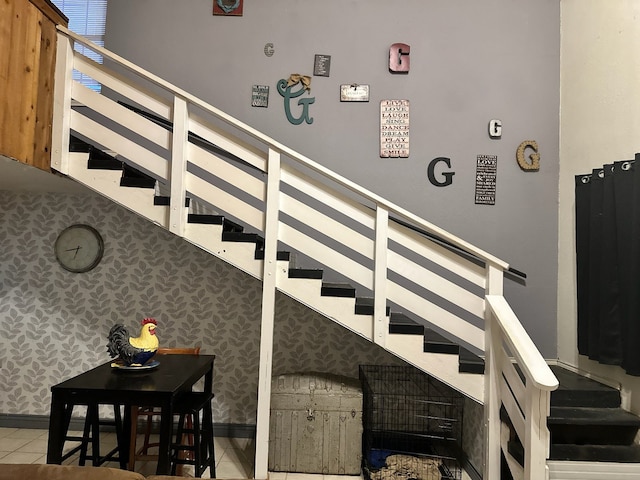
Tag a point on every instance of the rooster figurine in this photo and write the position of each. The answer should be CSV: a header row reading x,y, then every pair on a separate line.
x,y
133,351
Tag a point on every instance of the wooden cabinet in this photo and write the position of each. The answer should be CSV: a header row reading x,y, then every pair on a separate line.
x,y
28,46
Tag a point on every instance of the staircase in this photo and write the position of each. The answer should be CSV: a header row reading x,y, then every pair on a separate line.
x,y
427,296
592,436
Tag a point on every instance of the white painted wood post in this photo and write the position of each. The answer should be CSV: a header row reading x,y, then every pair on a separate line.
x,y
492,375
268,315
62,105
380,319
537,437
179,148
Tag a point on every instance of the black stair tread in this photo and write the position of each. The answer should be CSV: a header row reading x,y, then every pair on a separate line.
x,y
311,273
137,182
129,171
592,416
516,450
400,323
163,200
365,306
99,160
330,289
469,362
229,226
580,391
436,343
78,145
98,154
205,219
132,177
280,255
596,453
242,237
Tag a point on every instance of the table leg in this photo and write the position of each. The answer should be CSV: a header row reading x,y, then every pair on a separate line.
x,y
123,432
164,453
57,430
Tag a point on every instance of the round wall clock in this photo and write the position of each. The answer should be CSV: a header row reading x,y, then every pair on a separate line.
x,y
79,248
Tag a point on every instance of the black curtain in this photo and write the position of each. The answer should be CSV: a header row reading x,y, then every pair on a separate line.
x,y
608,269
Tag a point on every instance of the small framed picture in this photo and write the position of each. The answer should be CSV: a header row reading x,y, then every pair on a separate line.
x,y
322,65
228,7
260,96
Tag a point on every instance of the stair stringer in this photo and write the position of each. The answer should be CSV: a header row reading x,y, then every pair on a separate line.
x,y
442,366
239,254
107,183
339,309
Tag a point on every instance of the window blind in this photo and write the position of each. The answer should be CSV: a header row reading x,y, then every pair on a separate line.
x,y
86,18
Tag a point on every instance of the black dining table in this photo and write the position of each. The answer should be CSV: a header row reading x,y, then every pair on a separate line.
x,y
105,385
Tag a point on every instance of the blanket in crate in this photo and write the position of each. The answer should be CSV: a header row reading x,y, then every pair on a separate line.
x,y
404,467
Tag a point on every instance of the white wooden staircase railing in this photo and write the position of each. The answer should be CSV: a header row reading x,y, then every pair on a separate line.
x,y
295,203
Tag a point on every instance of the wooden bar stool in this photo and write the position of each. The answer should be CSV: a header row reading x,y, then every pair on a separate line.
x,y
91,436
200,453
142,453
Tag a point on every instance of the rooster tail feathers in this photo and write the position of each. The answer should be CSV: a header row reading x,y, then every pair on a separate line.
x,y
117,338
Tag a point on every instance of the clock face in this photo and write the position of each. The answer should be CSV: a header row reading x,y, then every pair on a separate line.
x,y
79,248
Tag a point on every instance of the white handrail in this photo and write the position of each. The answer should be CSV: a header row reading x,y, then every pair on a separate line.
x,y
521,345
274,145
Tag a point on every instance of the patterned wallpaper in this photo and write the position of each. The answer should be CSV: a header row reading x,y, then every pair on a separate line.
x,y
54,323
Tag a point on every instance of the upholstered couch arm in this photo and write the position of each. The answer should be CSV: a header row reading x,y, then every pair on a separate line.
x,y
64,472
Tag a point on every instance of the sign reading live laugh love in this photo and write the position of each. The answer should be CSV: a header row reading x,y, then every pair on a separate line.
x,y
394,128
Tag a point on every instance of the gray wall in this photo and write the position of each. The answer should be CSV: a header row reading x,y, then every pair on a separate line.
x,y
470,62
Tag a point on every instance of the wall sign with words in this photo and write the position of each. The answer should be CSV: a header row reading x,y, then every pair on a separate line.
x,y
322,65
486,172
394,128
260,96
354,93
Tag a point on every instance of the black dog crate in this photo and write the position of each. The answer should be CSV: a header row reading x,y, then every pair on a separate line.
x,y
412,425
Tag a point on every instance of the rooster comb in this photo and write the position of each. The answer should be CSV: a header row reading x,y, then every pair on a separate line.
x,y
149,320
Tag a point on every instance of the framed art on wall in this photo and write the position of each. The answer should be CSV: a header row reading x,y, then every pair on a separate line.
x,y
228,7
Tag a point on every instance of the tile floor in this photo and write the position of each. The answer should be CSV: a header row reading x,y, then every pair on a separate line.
x,y
234,456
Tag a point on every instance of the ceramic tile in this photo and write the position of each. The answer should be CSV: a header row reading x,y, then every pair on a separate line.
x,y
231,470
34,446
277,475
241,443
235,456
219,453
12,444
26,433
7,431
19,457
304,476
342,477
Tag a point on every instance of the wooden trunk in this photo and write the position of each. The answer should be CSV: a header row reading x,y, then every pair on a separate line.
x,y
315,424
28,45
